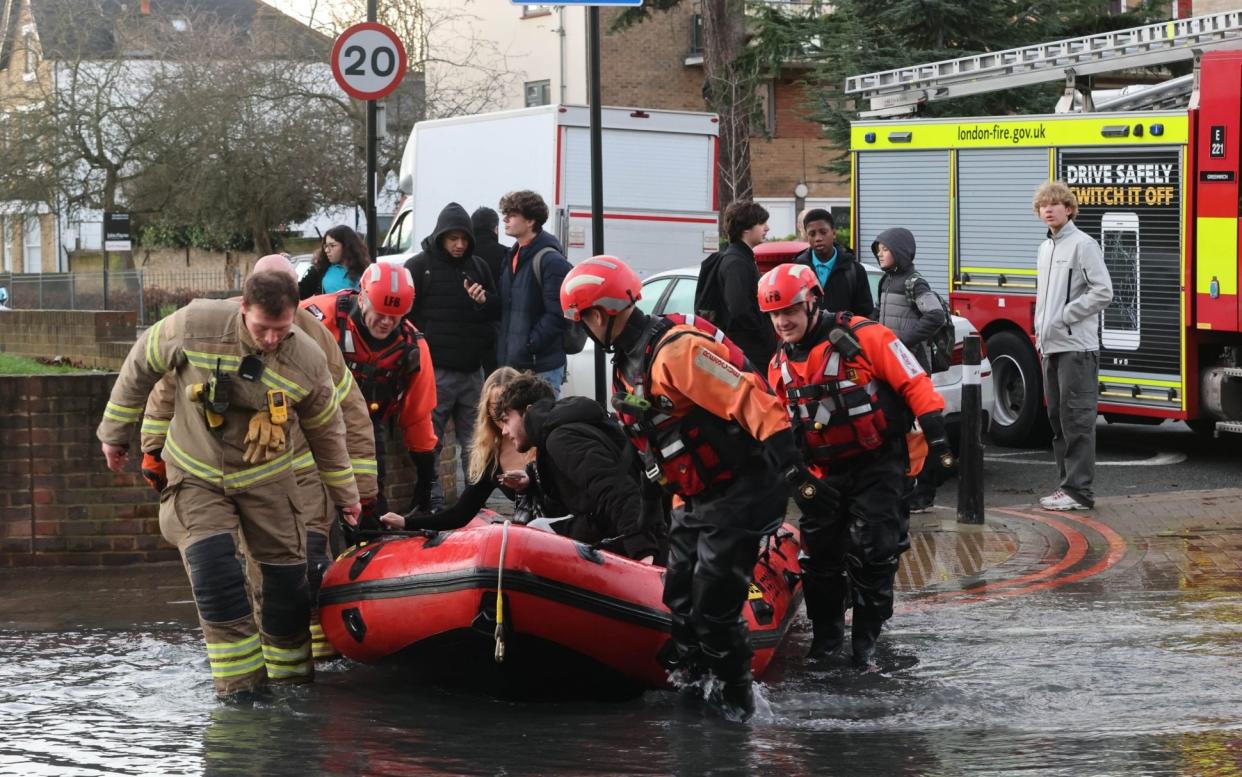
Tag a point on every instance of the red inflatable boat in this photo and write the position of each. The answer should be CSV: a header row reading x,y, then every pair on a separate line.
x,y
574,620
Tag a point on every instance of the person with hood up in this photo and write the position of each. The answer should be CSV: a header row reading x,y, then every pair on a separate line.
x,y
455,307
843,279
914,323
585,468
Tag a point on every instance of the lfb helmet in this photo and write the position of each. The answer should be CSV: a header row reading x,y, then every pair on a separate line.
x,y
786,285
389,288
603,282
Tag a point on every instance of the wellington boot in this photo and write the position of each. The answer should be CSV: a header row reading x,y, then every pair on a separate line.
x,y
865,632
827,636
737,700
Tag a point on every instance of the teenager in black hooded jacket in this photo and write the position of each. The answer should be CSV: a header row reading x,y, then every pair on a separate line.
x,y
584,467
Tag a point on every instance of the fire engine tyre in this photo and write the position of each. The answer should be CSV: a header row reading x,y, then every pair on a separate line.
x,y
1019,419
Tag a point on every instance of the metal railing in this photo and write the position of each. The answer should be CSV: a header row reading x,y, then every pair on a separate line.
x,y
151,294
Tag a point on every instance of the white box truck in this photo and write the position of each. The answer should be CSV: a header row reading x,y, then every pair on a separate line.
x,y
660,198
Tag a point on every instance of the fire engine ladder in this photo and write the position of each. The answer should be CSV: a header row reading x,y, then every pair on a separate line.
x,y
901,91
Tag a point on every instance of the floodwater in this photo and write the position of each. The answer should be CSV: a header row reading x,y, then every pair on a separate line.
x,y
1079,681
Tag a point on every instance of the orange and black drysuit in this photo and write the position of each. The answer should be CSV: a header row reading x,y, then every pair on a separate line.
x,y
701,419
852,391
396,378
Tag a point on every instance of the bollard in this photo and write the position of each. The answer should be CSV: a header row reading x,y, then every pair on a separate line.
x,y
970,448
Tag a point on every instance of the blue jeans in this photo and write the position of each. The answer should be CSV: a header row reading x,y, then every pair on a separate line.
x,y
556,377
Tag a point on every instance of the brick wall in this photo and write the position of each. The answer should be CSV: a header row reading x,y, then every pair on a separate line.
x,y
95,338
645,66
60,505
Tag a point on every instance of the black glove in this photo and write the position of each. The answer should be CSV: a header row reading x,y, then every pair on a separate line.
x,y
781,450
425,470
812,494
937,439
369,520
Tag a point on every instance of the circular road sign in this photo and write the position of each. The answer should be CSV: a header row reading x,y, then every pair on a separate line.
x,y
368,61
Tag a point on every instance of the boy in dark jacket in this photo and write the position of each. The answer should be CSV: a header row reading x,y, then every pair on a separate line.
x,y
584,467
455,307
728,281
486,223
532,329
842,278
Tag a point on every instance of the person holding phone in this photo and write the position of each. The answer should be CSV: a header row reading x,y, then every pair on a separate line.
x,y
495,462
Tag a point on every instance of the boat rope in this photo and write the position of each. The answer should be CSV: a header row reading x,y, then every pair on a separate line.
x,y
500,607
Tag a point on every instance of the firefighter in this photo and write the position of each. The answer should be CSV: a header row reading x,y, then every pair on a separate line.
x,y
391,364
317,508
237,368
707,429
852,391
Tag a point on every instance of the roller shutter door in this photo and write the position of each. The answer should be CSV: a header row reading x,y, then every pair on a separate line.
x,y
997,228
907,189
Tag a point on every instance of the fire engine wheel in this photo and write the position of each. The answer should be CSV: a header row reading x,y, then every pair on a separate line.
x,y
1018,417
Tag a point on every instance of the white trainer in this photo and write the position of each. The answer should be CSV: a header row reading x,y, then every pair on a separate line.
x,y
1059,500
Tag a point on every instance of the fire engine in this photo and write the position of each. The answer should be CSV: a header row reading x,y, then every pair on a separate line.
x,y
1156,173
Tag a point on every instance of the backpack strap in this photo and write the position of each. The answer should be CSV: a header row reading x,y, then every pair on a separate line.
x,y
536,266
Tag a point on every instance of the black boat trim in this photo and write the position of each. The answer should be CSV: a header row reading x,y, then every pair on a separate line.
x,y
484,578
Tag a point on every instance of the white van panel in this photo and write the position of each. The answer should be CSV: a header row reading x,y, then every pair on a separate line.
x,y
642,170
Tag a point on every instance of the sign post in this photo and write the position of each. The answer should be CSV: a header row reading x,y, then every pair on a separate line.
x,y
116,238
369,61
597,150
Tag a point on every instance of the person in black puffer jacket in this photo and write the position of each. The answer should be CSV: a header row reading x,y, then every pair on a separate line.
x,y
585,467
532,325
486,223
455,307
914,325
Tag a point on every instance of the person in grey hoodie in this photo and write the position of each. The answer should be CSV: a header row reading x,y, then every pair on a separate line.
x,y
1072,289
914,324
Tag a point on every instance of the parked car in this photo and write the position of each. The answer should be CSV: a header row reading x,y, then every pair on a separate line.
x,y
302,264
673,292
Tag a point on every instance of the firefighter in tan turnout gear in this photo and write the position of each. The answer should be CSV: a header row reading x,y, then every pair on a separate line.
x,y
239,370
318,510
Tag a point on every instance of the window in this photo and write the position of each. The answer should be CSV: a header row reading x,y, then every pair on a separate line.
x,y
32,58
681,300
763,123
401,237
652,292
538,93
32,244
179,23
535,10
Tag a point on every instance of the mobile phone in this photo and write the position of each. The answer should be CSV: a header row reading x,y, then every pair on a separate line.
x,y
1119,240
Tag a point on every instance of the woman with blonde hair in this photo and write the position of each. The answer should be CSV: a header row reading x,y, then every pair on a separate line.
x,y
494,463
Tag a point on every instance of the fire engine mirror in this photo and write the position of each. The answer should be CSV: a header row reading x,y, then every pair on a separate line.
x,y
1116,131
900,137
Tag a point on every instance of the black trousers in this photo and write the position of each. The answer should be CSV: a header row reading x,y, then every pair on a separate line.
x,y
713,547
850,557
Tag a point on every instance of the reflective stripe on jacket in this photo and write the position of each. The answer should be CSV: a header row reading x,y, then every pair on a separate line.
x,y
194,343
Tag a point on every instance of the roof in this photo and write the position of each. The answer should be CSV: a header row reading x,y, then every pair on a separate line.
x,y
95,29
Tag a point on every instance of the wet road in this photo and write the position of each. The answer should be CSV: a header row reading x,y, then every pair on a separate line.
x,y
1055,645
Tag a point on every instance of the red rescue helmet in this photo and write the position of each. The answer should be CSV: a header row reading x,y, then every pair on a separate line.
x,y
603,282
389,288
786,285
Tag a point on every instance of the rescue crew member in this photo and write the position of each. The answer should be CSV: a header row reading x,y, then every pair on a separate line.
x,y
230,364
391,364
317,508
701,420
852,391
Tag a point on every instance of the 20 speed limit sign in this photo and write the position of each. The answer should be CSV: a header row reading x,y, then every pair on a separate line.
x,y
368,61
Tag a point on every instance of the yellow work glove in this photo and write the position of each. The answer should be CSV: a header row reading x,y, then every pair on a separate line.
x,y
264,439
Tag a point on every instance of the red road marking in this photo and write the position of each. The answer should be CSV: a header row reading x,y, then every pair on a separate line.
x,y
1076,552
1035,581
